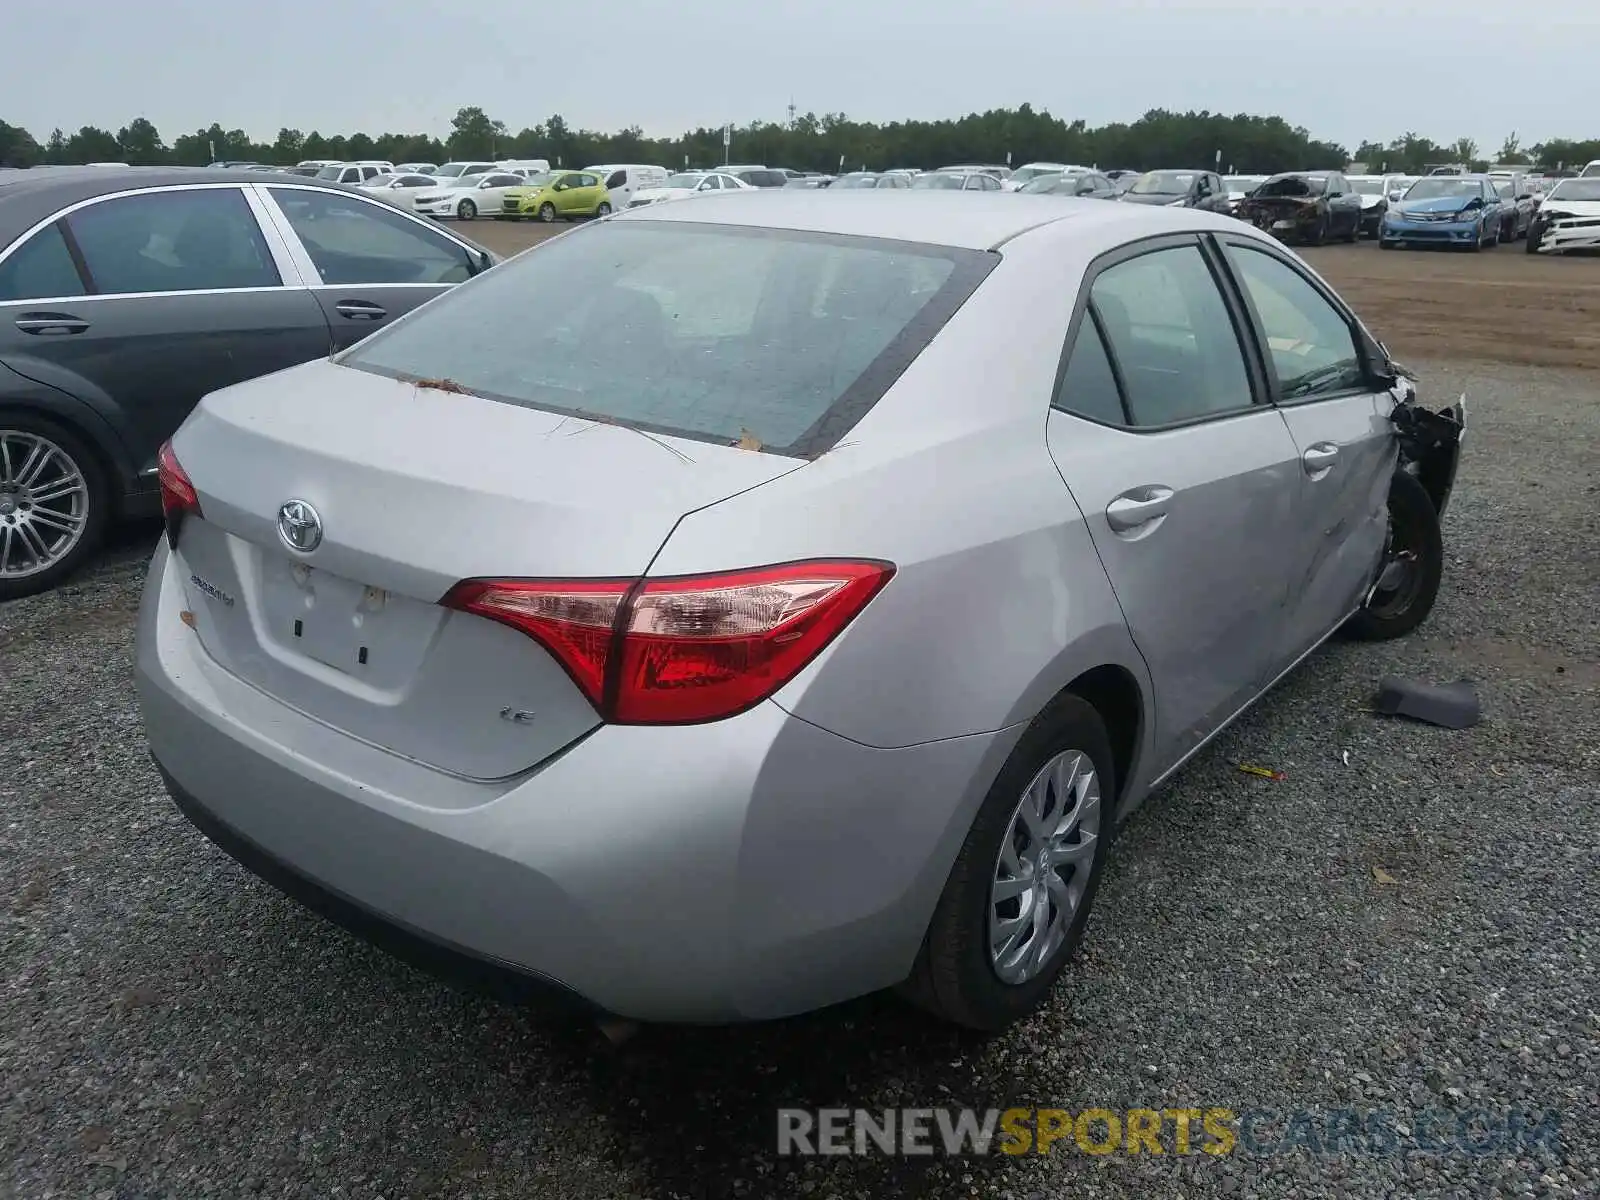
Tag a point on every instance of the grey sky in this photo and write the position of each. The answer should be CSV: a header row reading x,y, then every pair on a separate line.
x,y
1346,71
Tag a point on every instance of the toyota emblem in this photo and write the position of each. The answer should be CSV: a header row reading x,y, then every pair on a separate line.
x,y
299,526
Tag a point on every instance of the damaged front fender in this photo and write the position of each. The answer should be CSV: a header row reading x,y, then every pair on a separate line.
x,y
1430,445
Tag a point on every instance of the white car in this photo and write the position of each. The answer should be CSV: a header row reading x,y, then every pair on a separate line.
x,y
456,169
465,196
689,183
1240,186
418,168
399,190
1033,170
1568,218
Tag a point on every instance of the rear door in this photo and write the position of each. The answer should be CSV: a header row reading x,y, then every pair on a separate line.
x,y
175,292
1344,441
367,262
1187,478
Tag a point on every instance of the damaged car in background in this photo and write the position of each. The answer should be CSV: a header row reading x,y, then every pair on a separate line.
x,y
1305,206
736,640
1447,210
1567,219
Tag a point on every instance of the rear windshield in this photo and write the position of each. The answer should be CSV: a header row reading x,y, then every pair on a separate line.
x,y
712,332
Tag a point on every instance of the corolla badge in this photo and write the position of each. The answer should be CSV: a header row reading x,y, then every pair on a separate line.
x,y
299,526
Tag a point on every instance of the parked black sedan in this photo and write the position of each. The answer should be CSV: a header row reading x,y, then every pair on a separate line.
x,y
128,294
1305,206
1188,189
1088,184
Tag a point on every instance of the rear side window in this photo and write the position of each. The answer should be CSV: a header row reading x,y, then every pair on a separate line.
x,y
1171,336
353,242
173,242
1088,385
40,268
703,331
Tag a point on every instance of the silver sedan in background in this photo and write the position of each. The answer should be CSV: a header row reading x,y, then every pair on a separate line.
x,y
791,612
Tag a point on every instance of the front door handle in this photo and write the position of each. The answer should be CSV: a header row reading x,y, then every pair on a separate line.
x,y
1319,459
51,324
360,310
1137,509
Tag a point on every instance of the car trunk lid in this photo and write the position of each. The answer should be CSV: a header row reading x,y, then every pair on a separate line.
x,y
414,489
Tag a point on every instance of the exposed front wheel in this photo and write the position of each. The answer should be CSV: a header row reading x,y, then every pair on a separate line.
x,y
1016,900
466,210
1412,568
547,212
54,501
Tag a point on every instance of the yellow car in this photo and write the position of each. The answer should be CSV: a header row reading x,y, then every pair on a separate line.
x,y
555,194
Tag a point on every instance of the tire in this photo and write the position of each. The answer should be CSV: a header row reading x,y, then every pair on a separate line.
x,y
547,212
72,455
1414,527
955,977
1387,243
604,210
1531,246
1354,235
1319,236
466,210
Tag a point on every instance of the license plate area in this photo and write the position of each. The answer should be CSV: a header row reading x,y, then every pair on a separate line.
x,y
362,631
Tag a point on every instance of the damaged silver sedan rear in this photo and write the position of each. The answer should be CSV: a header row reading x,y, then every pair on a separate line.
x,y
794,609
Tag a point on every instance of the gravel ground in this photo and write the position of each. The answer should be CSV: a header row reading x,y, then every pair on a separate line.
x,y
1411,929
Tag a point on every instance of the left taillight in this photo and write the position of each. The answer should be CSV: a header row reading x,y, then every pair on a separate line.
x,y
178,497
686,649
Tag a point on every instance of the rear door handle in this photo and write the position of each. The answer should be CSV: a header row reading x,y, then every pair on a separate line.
x,y
360,310
1319,459
51,324
1137,509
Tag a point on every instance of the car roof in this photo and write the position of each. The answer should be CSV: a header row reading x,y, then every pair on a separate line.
x,y
30,196
967,220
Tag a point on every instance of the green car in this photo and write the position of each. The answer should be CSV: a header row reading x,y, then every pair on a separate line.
x,y
555,194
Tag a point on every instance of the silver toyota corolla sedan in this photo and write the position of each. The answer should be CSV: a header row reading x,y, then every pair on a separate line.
x,y
727,609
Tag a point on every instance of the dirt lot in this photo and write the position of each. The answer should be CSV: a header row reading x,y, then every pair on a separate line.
x,y
1500,306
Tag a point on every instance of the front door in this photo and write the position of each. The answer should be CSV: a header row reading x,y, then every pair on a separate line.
x,y
1187,479
370,262
175,293
1343,437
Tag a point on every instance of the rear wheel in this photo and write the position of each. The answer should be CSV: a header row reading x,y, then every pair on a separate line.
x,y
54,502
604,210
1014,906
466,210
1413,566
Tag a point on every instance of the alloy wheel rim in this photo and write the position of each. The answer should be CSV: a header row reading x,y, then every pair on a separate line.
x,y
44,504
1042,870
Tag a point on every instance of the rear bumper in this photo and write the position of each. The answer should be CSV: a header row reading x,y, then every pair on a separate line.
x,y
739,870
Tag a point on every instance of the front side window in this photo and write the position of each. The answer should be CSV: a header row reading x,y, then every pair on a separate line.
x,y
353,242
1311,346
1172,337
617,179
40,268
707,332
199,240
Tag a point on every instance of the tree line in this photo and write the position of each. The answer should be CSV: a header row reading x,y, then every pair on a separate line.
x,y
1242,143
